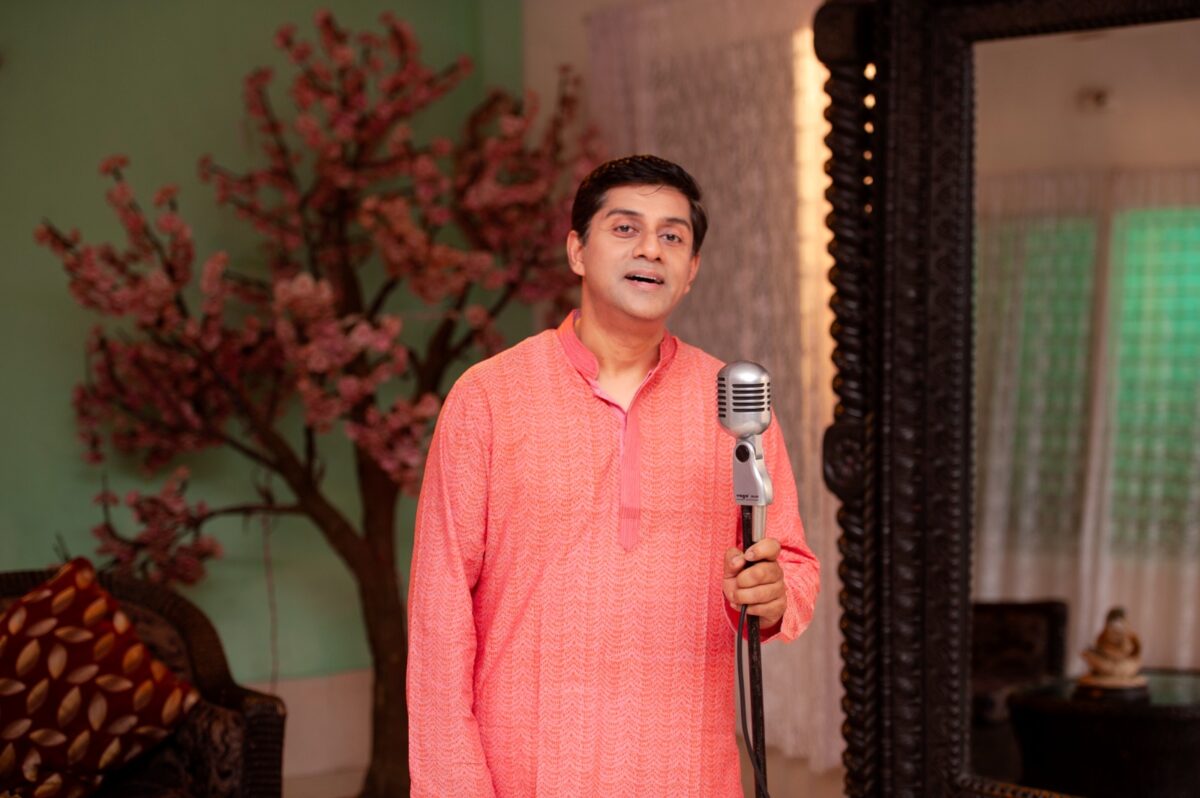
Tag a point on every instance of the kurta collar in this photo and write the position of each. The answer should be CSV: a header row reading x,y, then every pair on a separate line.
x,y
585,362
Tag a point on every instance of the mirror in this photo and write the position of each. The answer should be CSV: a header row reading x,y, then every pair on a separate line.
x,y
1086,375
901,454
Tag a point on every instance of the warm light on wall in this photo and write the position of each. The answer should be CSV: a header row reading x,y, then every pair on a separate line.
x,y
812,207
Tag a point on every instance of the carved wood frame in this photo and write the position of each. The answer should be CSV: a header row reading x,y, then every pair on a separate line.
x,y
899,453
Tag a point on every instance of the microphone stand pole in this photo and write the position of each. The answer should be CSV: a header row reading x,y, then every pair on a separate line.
x,y
757,748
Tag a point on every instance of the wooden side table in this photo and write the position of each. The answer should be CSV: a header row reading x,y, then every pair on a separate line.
x,y
1119,747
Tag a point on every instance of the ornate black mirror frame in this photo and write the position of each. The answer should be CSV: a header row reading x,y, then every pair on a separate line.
x,y
899,453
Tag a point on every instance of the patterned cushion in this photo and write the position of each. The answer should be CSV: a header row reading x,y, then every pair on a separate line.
x,y
79,692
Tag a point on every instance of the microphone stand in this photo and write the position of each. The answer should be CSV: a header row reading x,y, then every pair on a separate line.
x,y
744,410
752,490
756,748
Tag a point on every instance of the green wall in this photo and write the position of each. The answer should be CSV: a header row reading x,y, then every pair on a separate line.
x,y
161,82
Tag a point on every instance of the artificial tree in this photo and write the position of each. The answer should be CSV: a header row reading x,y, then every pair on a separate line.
x,y
353,213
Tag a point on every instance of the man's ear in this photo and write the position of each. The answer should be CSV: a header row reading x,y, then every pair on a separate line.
x,y
692,272
575,252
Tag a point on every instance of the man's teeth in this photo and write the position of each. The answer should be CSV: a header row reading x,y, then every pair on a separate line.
x,y
643,279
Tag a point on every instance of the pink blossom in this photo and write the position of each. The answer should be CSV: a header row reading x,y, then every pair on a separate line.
x,y
259,78
165,194
310,130
214,268
169,223
301,52
207,546
304,297
113,164
512,125
204,167
342,55
120,194
476,315
427,407
285,35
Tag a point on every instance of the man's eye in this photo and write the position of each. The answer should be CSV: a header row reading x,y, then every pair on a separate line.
x,y
674,238
624,228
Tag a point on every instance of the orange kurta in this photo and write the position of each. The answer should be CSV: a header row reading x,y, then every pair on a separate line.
x,y
567,631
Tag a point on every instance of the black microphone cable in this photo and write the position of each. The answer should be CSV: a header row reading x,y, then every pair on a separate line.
x,y
760,778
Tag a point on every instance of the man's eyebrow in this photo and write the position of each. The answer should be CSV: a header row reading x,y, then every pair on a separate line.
x,y
638,214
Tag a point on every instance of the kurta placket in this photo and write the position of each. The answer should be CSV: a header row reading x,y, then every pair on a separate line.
x,y
630,441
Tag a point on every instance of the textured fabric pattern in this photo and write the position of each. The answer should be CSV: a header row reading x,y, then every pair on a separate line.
x,y
80,694
546,657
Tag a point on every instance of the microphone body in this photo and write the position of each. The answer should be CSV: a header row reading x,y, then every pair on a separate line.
x,y
744,410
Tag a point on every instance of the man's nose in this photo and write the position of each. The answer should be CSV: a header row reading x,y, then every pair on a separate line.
x,y
648,247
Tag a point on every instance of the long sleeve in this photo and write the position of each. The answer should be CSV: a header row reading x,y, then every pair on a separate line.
x,y
801,570
446,756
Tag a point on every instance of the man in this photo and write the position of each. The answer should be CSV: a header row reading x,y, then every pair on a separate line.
x,y
574,585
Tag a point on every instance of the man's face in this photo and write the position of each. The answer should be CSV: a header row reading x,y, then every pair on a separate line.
x,y
637,263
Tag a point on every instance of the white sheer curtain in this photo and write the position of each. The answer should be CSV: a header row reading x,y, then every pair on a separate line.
x,y
732,91
1088,401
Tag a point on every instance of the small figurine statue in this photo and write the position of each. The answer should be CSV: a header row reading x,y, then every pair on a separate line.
x,y
1115,659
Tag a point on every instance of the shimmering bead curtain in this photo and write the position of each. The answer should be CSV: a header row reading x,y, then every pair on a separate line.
x,y
732,91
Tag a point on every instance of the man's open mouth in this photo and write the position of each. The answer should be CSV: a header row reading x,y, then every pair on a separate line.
x,y
644,278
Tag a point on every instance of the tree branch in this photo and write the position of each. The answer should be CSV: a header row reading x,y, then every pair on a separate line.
x,y
429,376
381,296
310,451
264,217
337,530
252,509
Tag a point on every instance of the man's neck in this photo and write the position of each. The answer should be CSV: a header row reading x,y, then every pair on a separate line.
x,y
625,354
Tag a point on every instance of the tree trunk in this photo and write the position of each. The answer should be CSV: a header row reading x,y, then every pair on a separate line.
x,y
384,615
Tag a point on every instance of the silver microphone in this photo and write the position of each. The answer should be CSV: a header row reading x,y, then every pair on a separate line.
x,y
744,410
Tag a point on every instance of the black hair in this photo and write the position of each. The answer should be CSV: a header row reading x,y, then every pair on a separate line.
x,y
637,170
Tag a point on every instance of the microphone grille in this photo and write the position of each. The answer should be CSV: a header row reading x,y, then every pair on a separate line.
x,y
751,398
744,398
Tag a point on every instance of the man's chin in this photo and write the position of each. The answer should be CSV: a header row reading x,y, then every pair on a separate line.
x,y
640,311
648,316
650,308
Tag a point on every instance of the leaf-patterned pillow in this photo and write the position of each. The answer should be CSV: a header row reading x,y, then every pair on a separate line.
x,y
80,694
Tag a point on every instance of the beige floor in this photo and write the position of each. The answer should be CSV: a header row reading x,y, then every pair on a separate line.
x,y
786,778
791,778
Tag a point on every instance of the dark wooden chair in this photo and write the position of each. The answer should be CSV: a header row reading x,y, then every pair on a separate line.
x,y
1014,644
230,745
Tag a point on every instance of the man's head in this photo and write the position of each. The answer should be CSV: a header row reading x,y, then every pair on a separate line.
x,y
637,170
637,226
